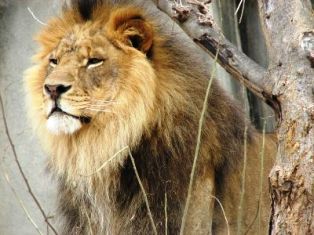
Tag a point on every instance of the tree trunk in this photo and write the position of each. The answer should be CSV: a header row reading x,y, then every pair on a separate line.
x,y
288,25
287,85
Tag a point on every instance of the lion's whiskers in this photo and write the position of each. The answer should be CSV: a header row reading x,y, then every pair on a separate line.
x,y
99,105
102,104
104,101
100,110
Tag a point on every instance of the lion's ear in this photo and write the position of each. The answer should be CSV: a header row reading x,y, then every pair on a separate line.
x,y
129,27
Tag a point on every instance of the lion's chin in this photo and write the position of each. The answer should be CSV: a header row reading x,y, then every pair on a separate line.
x,y
59,123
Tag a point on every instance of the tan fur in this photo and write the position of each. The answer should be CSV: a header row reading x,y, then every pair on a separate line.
x,y
152,105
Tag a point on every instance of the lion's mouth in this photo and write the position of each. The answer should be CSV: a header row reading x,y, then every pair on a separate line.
x,y
57,110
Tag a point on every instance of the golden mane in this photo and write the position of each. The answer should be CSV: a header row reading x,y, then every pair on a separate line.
x,y
155,98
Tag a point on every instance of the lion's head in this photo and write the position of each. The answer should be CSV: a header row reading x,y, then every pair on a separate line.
x,y
108,81
89,74
93,83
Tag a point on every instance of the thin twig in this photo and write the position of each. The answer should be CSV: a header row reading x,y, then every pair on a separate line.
x,y
88,220
137,176
243,181
241,16
35,17
223,212
235,62
259,208
198,144
106,162
242,2
166,215
21,170
144,193
261,176
238,7
22,204
242,192
253,221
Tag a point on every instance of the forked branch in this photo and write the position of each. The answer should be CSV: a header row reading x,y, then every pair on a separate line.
x,y
194,18
35,199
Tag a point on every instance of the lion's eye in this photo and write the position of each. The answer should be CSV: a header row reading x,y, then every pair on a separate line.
x,y
53,62
94,62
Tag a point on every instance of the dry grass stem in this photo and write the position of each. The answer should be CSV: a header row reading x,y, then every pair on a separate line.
x,y
242,192
88,220
106,162
179,2
238,7
261,177
21,170
223,212
198,143
144,193
253,221
241,3
35,17
166,215
22,204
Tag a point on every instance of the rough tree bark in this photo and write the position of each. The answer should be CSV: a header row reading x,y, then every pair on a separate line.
x,y
287,85
289,29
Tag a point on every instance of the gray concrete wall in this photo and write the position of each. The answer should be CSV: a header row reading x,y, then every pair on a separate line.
x,y
17,28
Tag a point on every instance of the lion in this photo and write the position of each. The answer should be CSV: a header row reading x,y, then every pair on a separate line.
x,y
116,102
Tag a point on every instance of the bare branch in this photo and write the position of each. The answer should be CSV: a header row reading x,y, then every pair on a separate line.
x,y
35,17
240,66
106,162
166,214
198,144
144,193
261,177
223,212
243,174
88,220
241,3
21,170
22,204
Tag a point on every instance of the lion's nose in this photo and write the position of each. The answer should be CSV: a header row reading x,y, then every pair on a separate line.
x,y
54,91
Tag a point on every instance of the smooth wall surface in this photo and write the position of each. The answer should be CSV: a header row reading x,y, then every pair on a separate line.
x,y
17,28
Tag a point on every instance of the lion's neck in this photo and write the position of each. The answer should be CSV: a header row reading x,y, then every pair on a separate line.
x,y
116,190
163,157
